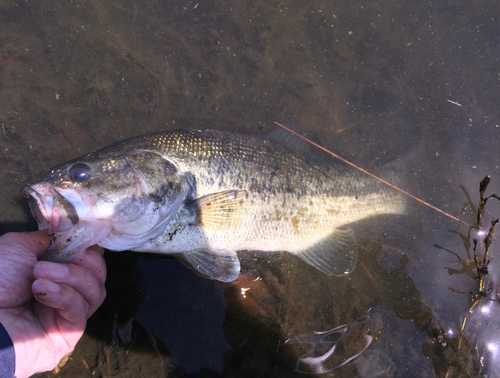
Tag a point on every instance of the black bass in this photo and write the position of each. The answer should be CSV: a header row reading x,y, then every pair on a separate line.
x,y
202,196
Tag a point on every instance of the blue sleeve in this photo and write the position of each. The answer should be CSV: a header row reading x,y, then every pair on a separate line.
x,y
7,355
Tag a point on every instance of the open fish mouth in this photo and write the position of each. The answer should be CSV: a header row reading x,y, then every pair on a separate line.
x,y
51,210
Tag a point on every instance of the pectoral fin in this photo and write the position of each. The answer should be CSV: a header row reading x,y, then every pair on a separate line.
x,y
223,267
216,211
335,255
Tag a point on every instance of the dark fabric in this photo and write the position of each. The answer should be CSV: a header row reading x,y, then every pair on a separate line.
x,y
7,355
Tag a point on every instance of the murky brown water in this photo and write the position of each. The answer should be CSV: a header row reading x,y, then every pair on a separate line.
x,y
371,81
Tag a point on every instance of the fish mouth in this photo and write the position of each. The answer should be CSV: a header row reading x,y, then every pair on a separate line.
x,y
51,210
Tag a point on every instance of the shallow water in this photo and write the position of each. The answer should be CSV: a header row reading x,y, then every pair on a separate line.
x,y
371,81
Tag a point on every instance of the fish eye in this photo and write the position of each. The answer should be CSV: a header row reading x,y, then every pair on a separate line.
x,y
80,172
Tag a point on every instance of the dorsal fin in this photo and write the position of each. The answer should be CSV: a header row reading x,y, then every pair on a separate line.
x,y
287,139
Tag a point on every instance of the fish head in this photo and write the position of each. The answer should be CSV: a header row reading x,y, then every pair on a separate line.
x,y
118,201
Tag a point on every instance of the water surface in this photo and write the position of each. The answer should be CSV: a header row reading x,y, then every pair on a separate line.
x,y
372,81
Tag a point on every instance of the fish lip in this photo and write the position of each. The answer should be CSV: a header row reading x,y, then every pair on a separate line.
x,y
38,205
51,210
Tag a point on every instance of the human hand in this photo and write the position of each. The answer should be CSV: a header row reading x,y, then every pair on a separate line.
x,y
46,329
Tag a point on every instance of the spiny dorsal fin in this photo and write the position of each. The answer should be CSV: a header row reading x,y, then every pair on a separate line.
x,y
289,140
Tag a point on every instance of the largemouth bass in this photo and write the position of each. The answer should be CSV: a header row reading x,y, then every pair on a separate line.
x,y
202,196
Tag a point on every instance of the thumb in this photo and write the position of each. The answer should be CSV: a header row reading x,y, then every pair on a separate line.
x,y
36,242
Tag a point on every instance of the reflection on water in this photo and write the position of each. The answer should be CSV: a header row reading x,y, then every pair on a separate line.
x,y
332,349
483,326
369,80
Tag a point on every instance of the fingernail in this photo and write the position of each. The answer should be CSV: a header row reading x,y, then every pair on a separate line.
x,y
47,287
56,271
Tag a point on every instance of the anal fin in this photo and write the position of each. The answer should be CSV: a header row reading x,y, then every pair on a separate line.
x,y
335,255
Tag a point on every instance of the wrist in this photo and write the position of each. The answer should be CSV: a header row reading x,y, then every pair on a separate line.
x,y
30,354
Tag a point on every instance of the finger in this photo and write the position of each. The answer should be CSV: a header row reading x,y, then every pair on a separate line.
x,y
92,260
66,300
79,278
25,242
97,248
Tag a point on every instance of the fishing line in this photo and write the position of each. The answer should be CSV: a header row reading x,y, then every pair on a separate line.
x,y
372,175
